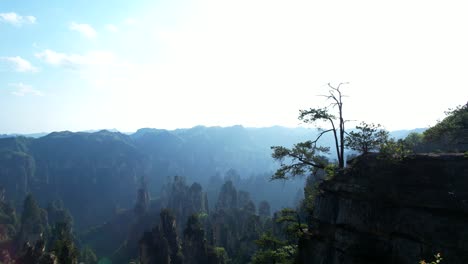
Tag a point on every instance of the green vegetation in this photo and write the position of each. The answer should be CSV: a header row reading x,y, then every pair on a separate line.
x,y
437,259
227,218
366,138
394,150
281,248
307,157
63,246
452,128
274,251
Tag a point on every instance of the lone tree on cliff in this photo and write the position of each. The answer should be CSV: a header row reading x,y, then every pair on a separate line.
x,y
306,156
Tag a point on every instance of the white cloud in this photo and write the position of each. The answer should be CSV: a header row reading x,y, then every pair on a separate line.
x,y
16,20
22,89
71,60
19,64
275,53
60,59
404,67
84,29
130,21
112,28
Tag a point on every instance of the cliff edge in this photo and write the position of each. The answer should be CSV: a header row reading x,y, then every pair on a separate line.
x,y
382,211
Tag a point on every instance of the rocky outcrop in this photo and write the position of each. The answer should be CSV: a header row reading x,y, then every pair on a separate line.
x,y
119,236
31,254
34,223
162,244
142,202
264,209
184,200
227,198
8,222
194,245
234,224
17,168
382,211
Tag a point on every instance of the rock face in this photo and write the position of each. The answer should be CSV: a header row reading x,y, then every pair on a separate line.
x,y
234,224
227,198
391,212
184,200
194,246
17,168
162,244
264,209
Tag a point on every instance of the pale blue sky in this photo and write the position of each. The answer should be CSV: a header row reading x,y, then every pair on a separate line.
x,y
79,65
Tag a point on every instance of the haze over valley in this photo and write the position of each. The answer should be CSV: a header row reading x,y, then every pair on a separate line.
x,y
233,132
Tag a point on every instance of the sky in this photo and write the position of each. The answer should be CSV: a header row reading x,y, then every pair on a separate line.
x,y
82,65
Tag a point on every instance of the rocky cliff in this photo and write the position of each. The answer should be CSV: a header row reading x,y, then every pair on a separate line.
x,y
382,211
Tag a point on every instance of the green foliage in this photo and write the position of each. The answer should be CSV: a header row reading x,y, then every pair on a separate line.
x,y
366,138
414,141
105,261
306,157
394,150
273,250
451,127
437,259
313,115
293,227
63,245
450,134
268,241
221,255
303,158
331,170
311,191
202,216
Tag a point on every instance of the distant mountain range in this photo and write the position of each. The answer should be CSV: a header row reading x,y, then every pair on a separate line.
x,y
104,169
396,133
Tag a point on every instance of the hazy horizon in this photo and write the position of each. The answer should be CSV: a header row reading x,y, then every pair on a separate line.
x,y
182,128
77,65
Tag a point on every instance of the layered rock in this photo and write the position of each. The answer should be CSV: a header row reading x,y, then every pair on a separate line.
x,y
381,211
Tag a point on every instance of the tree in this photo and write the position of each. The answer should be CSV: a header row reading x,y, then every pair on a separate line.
x,y
450,134
272,250
307,156
414,141
366,137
